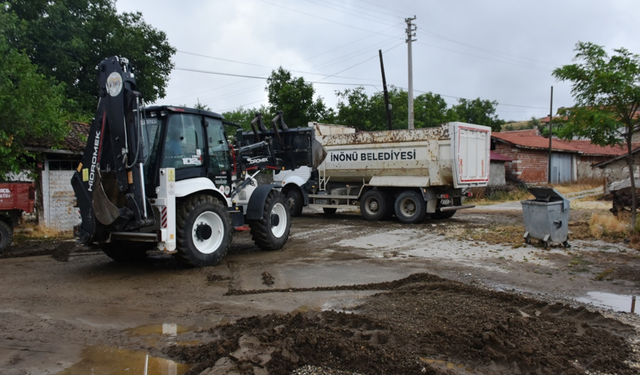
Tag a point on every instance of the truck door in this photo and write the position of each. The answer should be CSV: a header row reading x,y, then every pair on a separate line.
x,y
471,145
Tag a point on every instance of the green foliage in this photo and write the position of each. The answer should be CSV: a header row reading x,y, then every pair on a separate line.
x,y
606,90
607,94
478,111
294,97
243,116
30,103
202,106
430,110
67,39
356,108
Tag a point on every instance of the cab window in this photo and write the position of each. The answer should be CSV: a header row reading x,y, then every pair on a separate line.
x,y
184,142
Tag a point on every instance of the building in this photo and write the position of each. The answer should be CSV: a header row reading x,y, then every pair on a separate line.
x,y
570,160
55,204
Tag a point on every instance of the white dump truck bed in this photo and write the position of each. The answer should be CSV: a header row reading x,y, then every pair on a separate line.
x,y
455,154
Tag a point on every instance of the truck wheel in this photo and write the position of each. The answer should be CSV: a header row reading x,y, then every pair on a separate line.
x,y
374,206
203,231
272,231
294,202
410,207
6,235
442,215
122,251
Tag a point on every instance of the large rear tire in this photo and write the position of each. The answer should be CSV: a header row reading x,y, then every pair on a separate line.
x,y
203,231
123,251
272,231
6,235
374,206
295,202
410,207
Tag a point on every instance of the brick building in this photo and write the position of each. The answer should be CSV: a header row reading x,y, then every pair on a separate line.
x,y
570,160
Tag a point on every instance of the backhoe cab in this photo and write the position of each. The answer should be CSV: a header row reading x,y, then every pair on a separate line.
x,y
165,178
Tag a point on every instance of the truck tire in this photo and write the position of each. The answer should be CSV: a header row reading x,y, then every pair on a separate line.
x,y
410,207
6,235
442,215
295,202
374,206
123,251
272,231
203,231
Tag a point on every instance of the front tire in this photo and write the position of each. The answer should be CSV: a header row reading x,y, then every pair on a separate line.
x,y
294,202
374,206
410,207
6,235
123,251
203,231
272,231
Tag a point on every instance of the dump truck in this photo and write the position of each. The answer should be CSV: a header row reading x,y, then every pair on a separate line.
x,y
166,178
16,198
412,174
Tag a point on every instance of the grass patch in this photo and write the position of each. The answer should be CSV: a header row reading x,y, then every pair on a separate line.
x,y
607,226
33,232
604,274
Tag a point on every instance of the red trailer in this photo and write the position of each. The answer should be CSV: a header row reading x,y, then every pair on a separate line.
x,y
15,199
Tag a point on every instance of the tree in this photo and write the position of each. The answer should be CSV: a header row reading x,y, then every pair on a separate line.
x,y
243,116
30,104
368,113
67,39
430,110
480,112
606,90
294,97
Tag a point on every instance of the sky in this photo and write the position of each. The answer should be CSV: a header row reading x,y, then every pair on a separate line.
x,y
497,50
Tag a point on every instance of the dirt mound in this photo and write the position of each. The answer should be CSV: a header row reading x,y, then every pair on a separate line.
x,y
416,326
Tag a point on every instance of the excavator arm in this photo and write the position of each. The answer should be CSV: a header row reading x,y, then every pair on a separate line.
x,y
109,182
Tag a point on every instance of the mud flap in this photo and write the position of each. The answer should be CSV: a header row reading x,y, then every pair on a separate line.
x,y
258,200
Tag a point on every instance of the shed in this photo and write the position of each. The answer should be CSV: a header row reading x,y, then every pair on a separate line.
x,y
55,205
497,175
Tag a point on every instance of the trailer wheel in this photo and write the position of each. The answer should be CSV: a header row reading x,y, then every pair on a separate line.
x,y
374,206
6,235
123,251
410,207
294,202
442,214
272,231
203,231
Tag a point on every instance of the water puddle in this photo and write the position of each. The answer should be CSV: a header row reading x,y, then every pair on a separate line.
x,y
616,302
112,361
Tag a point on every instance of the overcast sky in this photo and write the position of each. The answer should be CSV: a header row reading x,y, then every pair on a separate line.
x,y
502,50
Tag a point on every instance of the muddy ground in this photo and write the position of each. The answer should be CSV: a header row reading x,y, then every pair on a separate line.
x,y
458,296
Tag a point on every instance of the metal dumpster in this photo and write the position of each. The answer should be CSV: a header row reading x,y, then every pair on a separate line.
x,y
546,218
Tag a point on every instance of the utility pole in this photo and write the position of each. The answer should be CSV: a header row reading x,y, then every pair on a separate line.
x,y
411,28
386,93
550,131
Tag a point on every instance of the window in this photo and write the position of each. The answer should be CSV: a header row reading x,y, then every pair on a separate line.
x,y
184,143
